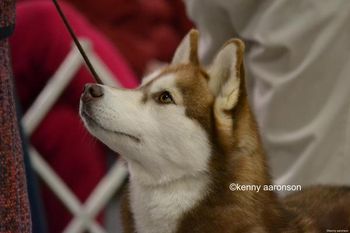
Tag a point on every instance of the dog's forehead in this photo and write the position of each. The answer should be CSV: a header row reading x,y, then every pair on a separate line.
x,y
171,77
163,81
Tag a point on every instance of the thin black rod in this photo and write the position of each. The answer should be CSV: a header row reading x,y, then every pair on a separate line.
x,y
77,43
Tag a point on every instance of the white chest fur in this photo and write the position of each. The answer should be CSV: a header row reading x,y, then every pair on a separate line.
x,y
159,209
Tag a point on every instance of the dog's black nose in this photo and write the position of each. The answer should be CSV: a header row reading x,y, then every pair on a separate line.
x,y
95,91
92,91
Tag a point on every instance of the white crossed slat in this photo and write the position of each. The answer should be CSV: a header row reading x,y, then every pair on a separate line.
x,y
84,214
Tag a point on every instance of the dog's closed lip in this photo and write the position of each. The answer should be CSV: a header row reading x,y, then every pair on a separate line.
x,y
92,120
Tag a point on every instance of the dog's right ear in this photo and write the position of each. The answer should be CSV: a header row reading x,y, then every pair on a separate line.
x,y
226,74
226,81
187,51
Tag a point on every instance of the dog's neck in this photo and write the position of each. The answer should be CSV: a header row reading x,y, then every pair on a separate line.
x,y
159,208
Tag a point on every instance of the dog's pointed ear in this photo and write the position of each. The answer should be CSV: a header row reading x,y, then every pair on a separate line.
x,y
226,75
187,51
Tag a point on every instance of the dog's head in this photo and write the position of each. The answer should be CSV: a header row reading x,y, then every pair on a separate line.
x,y
165,129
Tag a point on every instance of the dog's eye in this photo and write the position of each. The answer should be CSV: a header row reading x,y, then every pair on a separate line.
x,y
165,98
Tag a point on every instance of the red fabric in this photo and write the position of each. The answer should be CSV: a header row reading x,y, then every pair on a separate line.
x,y
143,30
14,204
39,45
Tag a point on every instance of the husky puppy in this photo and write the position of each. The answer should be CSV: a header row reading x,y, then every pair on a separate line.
x,y
187,133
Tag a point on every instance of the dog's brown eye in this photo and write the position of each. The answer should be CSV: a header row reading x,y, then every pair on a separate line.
x,y
165,98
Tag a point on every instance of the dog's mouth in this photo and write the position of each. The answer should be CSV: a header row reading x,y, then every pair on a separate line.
x,y
93,122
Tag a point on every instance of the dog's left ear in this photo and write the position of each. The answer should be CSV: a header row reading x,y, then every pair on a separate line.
x,y
187,51
226,74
